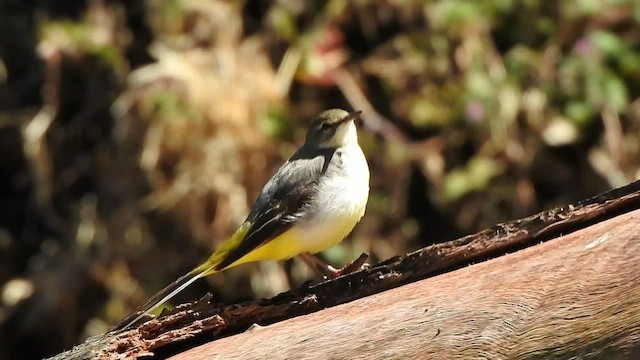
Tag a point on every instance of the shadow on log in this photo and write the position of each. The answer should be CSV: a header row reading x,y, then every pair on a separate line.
x,y
573,290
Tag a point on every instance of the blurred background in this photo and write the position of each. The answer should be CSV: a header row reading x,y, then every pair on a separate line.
x,y
135,135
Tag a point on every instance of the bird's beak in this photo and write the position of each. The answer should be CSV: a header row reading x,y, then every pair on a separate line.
x,y
352,116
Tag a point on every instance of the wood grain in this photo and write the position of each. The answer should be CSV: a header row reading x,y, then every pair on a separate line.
x,y
576,296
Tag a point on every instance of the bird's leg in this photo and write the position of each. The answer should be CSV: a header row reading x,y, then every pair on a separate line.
x,y
358,264
319,266
325,270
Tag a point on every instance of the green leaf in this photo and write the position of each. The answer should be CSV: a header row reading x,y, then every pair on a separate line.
x,y
579,112
608,43
475,176
615,93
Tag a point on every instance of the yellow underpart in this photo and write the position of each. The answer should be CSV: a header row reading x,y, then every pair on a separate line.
x,y
295,241
284,246
299,240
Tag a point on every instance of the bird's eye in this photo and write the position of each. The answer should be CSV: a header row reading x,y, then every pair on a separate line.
x,y
325,126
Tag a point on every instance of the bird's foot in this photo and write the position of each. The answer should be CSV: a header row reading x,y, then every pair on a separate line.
x,y
326,271
356,265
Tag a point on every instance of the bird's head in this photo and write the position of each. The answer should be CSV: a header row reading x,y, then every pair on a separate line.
x,y
333,128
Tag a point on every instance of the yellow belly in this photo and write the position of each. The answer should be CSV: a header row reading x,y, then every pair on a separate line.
x,y
299,240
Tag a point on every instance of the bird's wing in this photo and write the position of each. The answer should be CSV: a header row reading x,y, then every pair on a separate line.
x,y
281,202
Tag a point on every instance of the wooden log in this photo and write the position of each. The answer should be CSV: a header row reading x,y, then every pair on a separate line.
x,y
491,286
575,296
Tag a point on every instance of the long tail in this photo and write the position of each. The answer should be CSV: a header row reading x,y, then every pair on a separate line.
x,y
211,266
166,294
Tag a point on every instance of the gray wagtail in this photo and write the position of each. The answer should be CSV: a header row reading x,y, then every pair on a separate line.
x,y
311,203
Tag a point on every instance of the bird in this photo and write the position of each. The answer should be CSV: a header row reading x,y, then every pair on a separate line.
x,y
313,201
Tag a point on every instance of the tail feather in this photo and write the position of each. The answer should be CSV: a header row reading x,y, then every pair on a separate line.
x,y
207,268
165,295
